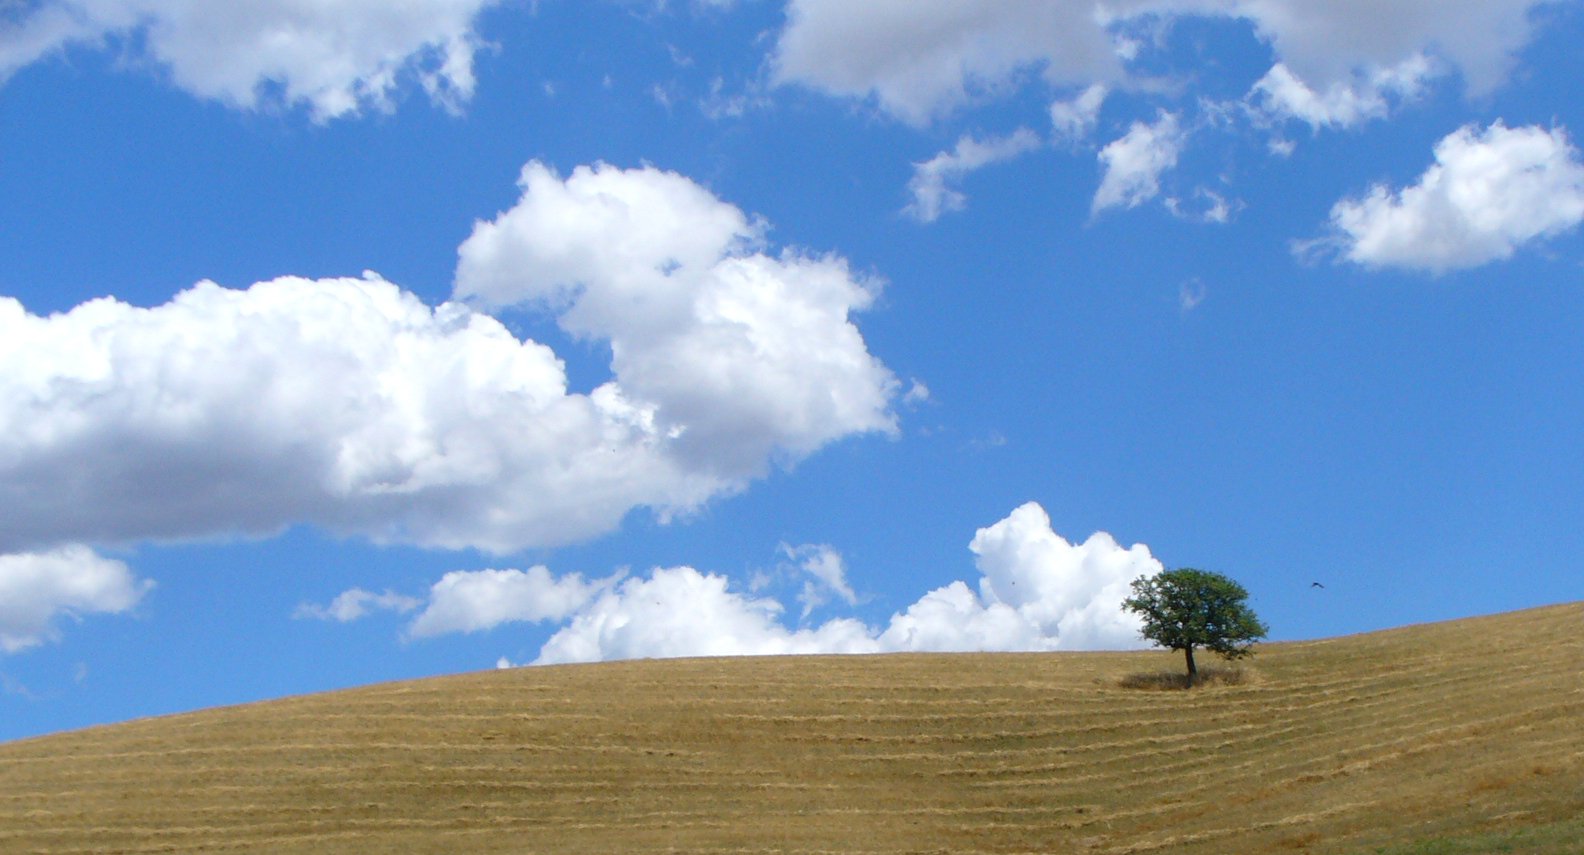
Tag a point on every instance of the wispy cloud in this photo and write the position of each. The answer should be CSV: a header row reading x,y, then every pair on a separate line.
x,y
1282,95
1135,162
1073,120
356,604
935,181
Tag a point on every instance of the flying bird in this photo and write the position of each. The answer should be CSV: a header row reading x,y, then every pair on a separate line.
x,y
1316,585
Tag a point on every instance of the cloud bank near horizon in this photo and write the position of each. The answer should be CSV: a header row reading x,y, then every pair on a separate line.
x,y
1035,592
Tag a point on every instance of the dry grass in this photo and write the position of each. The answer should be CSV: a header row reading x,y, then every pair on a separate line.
x,y
1379,742
1177,681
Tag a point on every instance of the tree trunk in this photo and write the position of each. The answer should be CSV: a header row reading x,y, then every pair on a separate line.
x,y
1193,670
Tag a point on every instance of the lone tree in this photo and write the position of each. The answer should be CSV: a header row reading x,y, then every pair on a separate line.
x,y
1187,608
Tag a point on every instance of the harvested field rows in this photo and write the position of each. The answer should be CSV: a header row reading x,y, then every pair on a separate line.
x,y
1331,746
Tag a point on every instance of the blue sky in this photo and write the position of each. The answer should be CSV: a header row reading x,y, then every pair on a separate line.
x,y
344,343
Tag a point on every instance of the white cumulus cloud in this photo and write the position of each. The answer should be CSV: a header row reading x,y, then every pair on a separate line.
x,y
934,181
1329,41
335,56
1072,591
469,601
38,588
1134,163
923,58
735,354
1036,591
679,611
1489,192
351,405
346,402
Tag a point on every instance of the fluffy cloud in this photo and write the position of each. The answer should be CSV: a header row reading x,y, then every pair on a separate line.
x,y
733,355
1036,591
346,402
36,588
921,59
335,57
1134,163
1072,592
1489,192
932,185
350,404
469,601
1326,41
679,611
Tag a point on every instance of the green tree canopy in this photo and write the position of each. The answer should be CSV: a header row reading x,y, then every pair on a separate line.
x,y
1188,608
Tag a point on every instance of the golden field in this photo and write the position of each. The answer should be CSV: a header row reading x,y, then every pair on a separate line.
x,y
1465,736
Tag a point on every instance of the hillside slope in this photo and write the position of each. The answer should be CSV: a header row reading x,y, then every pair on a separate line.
x,y
1340,745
